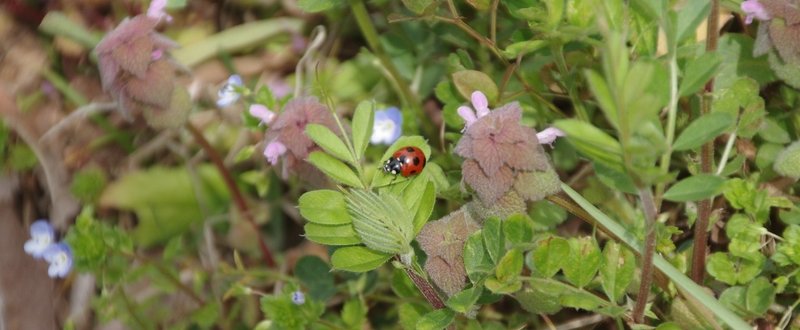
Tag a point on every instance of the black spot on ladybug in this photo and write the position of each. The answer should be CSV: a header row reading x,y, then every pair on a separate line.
x,y
412,172
409,149
402,159
416,160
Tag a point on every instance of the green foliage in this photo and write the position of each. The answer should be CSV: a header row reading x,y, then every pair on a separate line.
x,y
88,184
694,188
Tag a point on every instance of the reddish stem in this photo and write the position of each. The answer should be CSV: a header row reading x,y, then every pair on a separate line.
x,y
427,290
236,194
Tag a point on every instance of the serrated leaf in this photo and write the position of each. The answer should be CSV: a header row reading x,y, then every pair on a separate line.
x,y
331,235
358,259
695,188
436,320
382,221
703,129
330,142
363,119
325,207
468,81
334,168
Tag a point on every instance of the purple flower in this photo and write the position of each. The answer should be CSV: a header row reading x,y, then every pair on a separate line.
x,y
387,126
229,93
754,9
261,112
60,258
156,10
273,151
549,135
298,298
481,105
42,236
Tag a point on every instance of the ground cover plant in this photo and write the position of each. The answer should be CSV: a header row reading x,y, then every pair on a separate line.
x,y
414,164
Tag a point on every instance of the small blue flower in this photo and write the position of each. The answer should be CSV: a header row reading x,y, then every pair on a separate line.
x,y
229,93
42,236
298,298
388,126
59,256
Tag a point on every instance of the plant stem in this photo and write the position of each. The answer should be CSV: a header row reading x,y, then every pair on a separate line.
x,y
236,194
493,22
425,288
649,208
723,160
371,36
706,157
672,113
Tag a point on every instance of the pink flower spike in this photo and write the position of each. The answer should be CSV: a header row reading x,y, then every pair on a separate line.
x,y
261,112
274,150
157,54
467,114
754,9
156,10
549,135
480,103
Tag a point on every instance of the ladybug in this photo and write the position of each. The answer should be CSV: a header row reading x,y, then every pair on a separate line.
x,y
406,161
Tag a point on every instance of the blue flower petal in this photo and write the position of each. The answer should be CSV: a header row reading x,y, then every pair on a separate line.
x,y
387,126
59,256
42,236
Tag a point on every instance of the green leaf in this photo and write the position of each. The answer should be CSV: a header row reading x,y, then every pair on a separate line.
x,y
614,179
330,142
704,129
760,295
87,185
315,274
358,259
518,230
695,188
734,270
550,255
681,281
689,17
436,320
424,209
402,286
468,81
523,48
410,313
166,200
315,6
501,287
382,221
477,262
493,238
583,261
699,71
324,207
617,270
788,161
592,142
736,51
603,95
363,121
463,301
331,235
354,313
553,294
510,266
774,132
334,169
417,6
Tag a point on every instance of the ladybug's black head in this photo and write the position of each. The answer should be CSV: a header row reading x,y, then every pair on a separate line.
x,y
393,166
